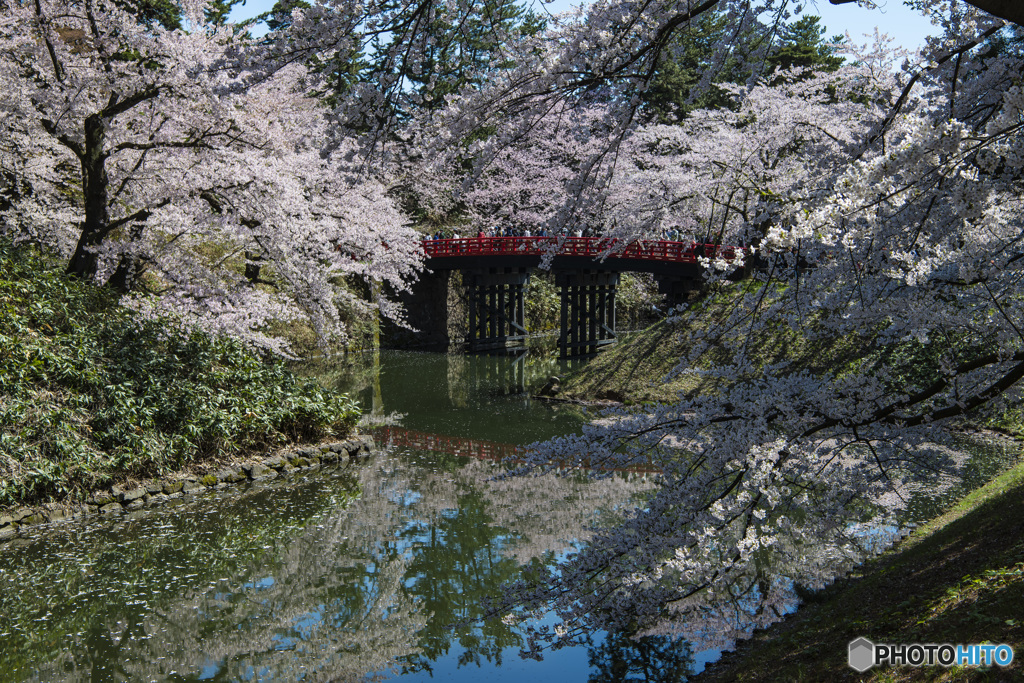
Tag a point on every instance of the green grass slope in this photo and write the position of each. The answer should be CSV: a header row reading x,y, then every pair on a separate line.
x,y
958,579
634,370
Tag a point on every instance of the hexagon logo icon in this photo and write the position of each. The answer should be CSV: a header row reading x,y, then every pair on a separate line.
x,y
862,654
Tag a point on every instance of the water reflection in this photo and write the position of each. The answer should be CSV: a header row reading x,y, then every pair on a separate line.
x,y
330,577
272,582
655,659
444,445
308,582
482,397
350,575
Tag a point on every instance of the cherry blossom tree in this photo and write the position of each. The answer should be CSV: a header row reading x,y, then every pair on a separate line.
x,y
881,206
191,164
526,185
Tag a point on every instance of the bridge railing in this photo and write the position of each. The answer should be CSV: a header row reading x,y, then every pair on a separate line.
x,y
593,247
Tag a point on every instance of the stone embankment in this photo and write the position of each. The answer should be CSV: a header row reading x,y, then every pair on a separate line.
x,y
153,492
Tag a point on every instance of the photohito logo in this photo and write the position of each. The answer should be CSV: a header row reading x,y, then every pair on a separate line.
x,y
864,654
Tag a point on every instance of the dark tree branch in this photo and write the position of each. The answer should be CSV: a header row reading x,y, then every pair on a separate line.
x,y
139,216
117,107
145,146
51,128
914,79
1010,10
58,71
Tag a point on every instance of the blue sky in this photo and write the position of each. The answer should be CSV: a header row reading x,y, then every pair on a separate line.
x,y
906,26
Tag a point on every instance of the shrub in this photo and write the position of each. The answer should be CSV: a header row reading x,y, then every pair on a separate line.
x,y
89,392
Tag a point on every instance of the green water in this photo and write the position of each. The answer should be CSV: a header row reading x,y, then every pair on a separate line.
x,y
376,571
328,576
484,397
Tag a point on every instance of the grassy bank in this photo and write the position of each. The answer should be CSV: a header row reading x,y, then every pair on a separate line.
x,y
92,395
633,370
957,579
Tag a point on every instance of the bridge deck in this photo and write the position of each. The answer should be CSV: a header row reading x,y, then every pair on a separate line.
x,y
495,270
597,248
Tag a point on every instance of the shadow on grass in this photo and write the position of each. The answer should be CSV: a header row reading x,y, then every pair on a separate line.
x,y
960,579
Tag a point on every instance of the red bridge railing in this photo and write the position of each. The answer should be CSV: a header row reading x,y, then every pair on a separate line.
x,y
469,448
594,247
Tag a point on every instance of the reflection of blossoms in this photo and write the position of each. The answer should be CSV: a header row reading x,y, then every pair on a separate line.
x,y
271,581
735,565
296,579
555,513
881,211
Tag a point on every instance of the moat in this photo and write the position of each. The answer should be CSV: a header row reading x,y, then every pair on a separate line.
x,y
370,572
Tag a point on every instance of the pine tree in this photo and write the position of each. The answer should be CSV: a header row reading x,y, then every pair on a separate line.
x,y
280,15
454,50
683,66
166,13
685,63
803,45
217,11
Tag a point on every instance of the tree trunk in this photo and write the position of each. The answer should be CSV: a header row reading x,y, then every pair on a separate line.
x,y
124,276
253,266
1010,10
94,186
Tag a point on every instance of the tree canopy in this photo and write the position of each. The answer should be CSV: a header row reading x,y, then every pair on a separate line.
x,y
878,199
170,162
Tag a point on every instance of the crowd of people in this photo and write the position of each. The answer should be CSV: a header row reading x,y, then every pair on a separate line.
x,y
499,231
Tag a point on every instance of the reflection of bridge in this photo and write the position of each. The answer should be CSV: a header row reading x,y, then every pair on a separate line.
x,y
468,448
495,271
452,445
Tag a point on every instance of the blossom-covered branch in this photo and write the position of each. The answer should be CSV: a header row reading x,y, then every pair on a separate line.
x,y
881,210
147,125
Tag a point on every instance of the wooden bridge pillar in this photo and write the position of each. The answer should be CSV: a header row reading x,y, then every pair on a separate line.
x,y
588,311
435,310
497,309
677,287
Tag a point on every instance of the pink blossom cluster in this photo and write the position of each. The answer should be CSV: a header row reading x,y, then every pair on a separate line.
x,y
171,163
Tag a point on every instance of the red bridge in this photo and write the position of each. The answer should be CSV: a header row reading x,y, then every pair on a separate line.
x,y
495,271
596,248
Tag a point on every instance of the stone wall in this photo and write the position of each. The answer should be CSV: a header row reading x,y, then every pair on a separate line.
x,y
119,499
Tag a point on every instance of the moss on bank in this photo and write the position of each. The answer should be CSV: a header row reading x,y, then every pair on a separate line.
x,y
957,579
90,394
